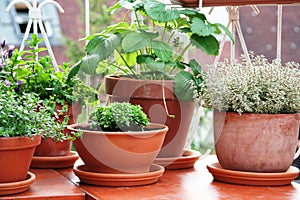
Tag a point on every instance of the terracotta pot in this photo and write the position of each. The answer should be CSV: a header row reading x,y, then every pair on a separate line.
x,y
255,142
119,152
49,147
149,94
15,157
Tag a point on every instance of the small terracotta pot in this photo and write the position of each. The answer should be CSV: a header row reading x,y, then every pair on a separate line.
x,y
255,142
119,152
49,147
150,94
15,157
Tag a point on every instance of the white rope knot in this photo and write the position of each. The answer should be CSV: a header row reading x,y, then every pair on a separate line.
x,y
234,15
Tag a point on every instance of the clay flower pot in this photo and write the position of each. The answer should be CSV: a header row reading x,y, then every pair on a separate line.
x,y
49,147
150,95
255,142
15,157
119,152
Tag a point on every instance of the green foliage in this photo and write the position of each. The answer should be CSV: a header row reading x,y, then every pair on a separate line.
x,y
25,76
260,87
119,117
19,116
150,46
31,74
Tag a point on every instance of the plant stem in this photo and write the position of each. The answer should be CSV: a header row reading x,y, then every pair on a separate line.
x,y
183,52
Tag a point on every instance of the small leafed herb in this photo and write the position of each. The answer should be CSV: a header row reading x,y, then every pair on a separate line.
x,y
260,87
119,117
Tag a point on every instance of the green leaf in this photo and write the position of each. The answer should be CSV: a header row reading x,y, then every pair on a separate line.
x,y
73,72
182,86
103,46
202,28
135,41
225,29
21,73
127,59
159,12
154,65
89,63
208,44
162,50
195,67
140,59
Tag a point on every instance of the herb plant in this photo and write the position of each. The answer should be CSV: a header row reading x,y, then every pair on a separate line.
x,y
119,117
19,116
150,48
28,73
260,87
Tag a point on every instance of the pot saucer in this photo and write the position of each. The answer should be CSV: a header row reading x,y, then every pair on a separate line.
x,y
17,187
187,160
106,179
54,162
252,178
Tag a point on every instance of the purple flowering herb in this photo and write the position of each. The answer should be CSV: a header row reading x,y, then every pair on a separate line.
x,y
3,43
6,83
10,50
19,83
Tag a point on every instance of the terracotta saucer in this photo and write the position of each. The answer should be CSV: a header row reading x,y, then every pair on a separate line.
x,y
54,162
253,178
17,187
187,160
105,179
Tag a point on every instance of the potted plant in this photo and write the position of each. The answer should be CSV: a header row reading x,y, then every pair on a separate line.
x,y
147,58
118,139
256,112
21,127
62,98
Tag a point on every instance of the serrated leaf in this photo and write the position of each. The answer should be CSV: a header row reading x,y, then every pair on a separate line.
x,y
182,86
208,44
103,46
162,50
135,41
159,12
202,28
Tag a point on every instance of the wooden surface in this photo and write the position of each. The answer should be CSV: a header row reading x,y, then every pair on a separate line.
x,y
209,3
189,184
49,184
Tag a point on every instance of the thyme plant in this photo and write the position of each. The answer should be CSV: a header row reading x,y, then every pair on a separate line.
x,y
259,87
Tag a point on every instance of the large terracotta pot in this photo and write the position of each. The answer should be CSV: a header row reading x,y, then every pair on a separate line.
x,y
15,157
119,152
150,94
255,142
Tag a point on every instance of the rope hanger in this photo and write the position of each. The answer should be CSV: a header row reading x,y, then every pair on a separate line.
x,y
233,16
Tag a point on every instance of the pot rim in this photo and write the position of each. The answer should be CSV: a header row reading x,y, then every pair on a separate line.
x,y
162,128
